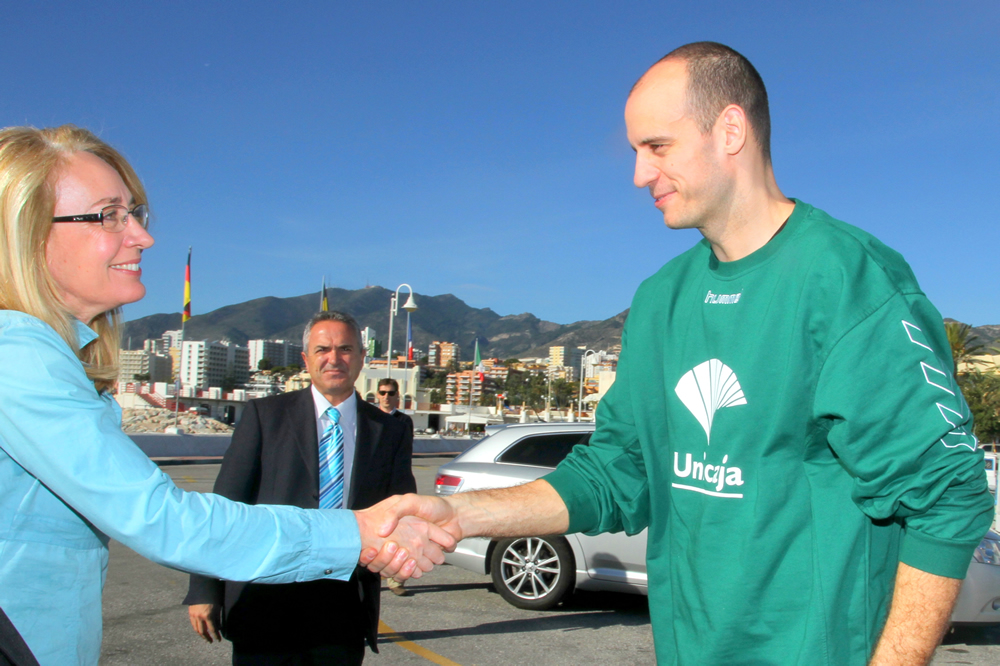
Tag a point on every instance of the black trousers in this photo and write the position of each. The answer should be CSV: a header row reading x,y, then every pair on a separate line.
x,y
350,654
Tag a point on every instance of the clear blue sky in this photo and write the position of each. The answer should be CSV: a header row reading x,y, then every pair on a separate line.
x,y
479,148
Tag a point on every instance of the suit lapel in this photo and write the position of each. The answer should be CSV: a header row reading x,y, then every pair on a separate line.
x,y
368,434
306,441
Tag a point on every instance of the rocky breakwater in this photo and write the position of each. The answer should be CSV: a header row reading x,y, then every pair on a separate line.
x,y
157,420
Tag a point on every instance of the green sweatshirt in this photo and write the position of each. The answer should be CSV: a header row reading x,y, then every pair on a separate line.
x,y
788,429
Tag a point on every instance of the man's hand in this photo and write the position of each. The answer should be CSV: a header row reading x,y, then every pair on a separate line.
x,y
400,548
205,620
919,616
532,509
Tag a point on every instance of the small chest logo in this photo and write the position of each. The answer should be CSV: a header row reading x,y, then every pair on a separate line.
x,y
722,299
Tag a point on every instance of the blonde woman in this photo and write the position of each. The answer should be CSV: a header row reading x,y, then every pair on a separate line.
x,y
73,229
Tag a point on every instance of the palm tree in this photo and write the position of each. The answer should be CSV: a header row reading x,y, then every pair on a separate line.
x,y
964,344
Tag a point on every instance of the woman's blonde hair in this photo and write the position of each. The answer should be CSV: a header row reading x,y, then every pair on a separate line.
x,y
28,159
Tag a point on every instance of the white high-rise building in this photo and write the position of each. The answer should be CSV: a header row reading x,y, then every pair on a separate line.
x,y
172,338
281,353
138,362
206,364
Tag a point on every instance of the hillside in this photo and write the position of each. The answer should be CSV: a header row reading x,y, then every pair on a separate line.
x,y
443,317
987,335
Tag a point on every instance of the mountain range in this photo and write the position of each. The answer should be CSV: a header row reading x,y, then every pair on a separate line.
x,y
445,318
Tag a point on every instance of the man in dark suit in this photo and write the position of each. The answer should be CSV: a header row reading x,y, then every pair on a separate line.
x,y
388,401
281,448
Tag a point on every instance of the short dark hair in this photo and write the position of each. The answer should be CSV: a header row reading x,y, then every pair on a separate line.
x,y
330,315
719,76
388,380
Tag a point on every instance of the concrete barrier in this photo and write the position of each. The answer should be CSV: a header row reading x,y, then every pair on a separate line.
x,y
162,447
158,446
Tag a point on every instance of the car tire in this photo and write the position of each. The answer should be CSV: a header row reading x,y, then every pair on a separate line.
x,y
534,573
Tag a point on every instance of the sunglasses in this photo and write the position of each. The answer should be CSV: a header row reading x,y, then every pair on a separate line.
x,y
387,392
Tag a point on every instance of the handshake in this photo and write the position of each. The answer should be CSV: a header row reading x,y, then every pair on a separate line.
x,y
406,535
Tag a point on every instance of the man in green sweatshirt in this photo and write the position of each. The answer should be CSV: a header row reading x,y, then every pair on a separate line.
x,y
784,397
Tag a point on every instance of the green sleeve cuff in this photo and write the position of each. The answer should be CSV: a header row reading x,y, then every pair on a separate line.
x,y
937,556
576,494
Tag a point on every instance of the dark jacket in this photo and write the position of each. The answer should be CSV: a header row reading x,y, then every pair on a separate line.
x,y
406,420
274,459
13,650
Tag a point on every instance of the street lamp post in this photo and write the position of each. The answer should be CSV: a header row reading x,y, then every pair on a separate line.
x,y
583,360
410,305
548,395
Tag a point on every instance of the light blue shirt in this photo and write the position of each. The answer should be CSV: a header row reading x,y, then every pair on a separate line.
x,y
70,479
348,423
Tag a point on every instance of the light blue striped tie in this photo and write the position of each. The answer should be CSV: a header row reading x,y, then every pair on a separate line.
x,y
331,463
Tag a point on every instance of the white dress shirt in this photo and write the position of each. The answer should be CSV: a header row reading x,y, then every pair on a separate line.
x,y
349,424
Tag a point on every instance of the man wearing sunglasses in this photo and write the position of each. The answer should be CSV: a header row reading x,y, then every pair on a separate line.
x,y
388,400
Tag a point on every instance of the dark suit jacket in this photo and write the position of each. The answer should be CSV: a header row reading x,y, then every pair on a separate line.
x,y
406,420
274,459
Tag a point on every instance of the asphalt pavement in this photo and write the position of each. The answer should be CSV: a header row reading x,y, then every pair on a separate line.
x,y
453,617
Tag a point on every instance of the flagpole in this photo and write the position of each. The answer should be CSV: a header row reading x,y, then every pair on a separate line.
x,y
185,315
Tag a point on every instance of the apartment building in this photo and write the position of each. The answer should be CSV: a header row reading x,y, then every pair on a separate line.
x,y
563,355
458,386
141,362
281,353
205,364
440,354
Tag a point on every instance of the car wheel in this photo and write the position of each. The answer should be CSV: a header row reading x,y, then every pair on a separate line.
x,y
535,573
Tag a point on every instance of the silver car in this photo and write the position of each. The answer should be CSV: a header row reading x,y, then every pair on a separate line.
x,y
539,572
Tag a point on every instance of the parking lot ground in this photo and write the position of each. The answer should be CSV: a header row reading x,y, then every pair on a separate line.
x,y
456,615
453,617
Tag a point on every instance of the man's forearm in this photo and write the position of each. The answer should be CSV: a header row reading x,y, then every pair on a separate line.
x,y
529,510
919,616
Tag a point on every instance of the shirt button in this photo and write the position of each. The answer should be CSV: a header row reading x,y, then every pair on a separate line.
x,y
328,572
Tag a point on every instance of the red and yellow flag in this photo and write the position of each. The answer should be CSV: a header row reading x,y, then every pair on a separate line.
x,y
187,290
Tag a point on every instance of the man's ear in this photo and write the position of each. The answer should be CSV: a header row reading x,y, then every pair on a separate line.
x,y
734,128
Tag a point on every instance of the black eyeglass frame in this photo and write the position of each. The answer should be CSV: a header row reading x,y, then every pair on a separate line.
x,y
143,221
389,393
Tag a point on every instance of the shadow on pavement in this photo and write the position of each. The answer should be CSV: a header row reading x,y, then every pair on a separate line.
x,y
583,610
554,622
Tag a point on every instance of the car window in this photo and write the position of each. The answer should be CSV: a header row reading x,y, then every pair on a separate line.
x,y
543,450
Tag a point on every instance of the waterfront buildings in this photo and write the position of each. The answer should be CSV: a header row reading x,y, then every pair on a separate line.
x,y
206,364
281,353
155,367
440,354
459,385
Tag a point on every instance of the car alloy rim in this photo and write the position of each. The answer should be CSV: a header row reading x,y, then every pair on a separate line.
x,y
530,568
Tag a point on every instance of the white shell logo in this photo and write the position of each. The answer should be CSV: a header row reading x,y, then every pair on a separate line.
x,y
708,388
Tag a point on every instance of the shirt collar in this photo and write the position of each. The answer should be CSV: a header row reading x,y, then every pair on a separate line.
x,y
84,334
348,408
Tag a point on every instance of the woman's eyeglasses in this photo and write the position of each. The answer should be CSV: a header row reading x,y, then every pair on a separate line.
x,y
113,218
